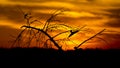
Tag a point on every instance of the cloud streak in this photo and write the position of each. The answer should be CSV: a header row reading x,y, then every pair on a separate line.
x,y
114,17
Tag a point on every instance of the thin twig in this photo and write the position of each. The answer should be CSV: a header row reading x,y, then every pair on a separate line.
x,y
88,39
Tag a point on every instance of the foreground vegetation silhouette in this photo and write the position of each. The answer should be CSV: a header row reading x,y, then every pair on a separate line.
x,y
42,36
43,53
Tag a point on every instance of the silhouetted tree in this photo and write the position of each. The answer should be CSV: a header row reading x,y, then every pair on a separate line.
x,y
41,36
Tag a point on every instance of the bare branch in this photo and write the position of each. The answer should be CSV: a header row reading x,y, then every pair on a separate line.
x,y
46,35
88,39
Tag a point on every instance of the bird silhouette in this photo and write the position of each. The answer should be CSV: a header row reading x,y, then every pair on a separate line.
x,y
72,32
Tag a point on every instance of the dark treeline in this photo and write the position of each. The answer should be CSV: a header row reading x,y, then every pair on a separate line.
x,y
55,57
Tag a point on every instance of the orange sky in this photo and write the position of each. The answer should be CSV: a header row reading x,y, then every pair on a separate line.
x,y
95,14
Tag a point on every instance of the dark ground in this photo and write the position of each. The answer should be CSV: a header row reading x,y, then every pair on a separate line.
x,y
88,57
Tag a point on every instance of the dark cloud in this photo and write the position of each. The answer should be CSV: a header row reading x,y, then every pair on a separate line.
x,y
10,13
91,0
114,17
111,35
78,2
41,1
115,13
112,14
13,13
113,23
91,18
34,0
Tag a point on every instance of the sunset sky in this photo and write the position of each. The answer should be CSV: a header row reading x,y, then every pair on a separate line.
x,y
95,14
